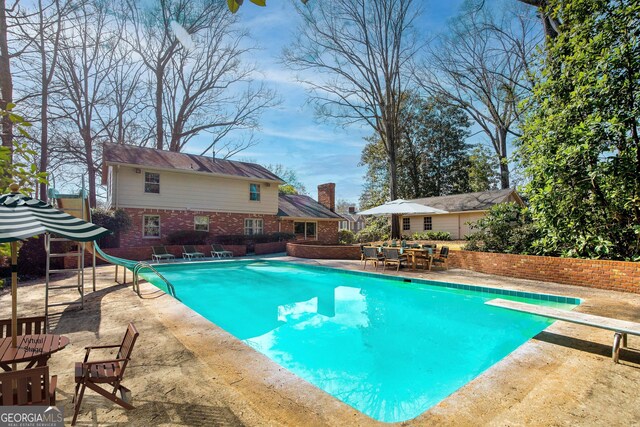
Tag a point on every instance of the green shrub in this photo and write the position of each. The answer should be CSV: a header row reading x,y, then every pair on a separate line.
x,y
432,235
231,239
346,237
117,221
188,237
242,239
377,229
32,256
507,228
281,236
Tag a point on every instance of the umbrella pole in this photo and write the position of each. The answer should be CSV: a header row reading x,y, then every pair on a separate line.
x,y
14,294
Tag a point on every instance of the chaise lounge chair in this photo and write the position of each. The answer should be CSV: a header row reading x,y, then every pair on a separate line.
x,y
160,253
190,252
219,252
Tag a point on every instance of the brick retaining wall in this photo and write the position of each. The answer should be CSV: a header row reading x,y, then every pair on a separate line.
x,y
269,248
614,275
311,250
601,274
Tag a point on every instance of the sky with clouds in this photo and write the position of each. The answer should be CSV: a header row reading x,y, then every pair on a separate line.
x,y
290,134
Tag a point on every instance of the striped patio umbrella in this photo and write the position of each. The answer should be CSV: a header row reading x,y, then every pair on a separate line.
x,y
22,217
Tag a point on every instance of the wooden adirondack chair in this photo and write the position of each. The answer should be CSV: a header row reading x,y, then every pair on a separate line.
x,y
28,387
110,372
26,326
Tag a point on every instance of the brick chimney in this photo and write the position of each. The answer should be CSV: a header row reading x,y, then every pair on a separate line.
x,y
327,196
352,209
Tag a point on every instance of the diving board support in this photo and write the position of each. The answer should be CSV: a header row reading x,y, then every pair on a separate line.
x,y
621,328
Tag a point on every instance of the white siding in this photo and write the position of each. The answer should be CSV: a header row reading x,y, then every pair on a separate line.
x,y
453,223
193,191
468,217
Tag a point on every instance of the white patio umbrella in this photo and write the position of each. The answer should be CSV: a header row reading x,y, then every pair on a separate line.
x,y
401,207
22,217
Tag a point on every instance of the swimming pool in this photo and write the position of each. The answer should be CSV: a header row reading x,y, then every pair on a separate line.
x,y
389,348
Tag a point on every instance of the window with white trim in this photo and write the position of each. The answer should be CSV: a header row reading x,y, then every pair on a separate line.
x,y
201,223
252,226
428,223
151,226
152,182
254,192
406,224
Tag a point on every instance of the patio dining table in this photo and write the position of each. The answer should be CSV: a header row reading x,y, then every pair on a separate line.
x,y
34,349
413,253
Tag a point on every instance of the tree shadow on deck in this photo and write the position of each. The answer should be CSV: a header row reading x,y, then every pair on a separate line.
x,y
73,319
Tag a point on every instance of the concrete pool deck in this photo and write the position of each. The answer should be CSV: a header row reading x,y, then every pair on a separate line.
x,y
187,371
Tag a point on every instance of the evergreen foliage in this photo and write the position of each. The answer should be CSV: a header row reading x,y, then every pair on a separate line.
x,y
581,145
507,228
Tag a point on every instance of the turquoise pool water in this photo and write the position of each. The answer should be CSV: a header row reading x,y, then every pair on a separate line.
x,y
390,349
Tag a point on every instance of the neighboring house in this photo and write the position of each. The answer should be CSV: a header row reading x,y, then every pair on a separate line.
x,y
462,209
164,192
352,221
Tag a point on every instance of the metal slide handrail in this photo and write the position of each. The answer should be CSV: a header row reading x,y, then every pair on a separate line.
x,y
141,266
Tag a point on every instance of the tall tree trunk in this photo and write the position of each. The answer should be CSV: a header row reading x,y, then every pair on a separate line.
x,y
159,124
91,169
393,177
501,134
6,83
504,173
44,135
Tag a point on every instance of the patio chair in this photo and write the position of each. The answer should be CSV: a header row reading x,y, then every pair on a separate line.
x,y
110,372
371,254
28,387
443,257
190,252
26,326
220,252
160,253
393,256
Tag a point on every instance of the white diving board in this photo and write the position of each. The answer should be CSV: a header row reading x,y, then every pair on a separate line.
x,y
620,327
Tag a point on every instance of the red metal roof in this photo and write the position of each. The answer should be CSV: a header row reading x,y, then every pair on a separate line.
x,y
160,159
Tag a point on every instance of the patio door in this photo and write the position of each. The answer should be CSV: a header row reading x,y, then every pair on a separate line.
x,y
305,230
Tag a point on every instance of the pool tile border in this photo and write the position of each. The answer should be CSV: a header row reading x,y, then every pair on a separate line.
x,y
464,287
482,289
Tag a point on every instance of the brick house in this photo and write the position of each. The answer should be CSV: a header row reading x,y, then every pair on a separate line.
x,y
352,221
164,192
